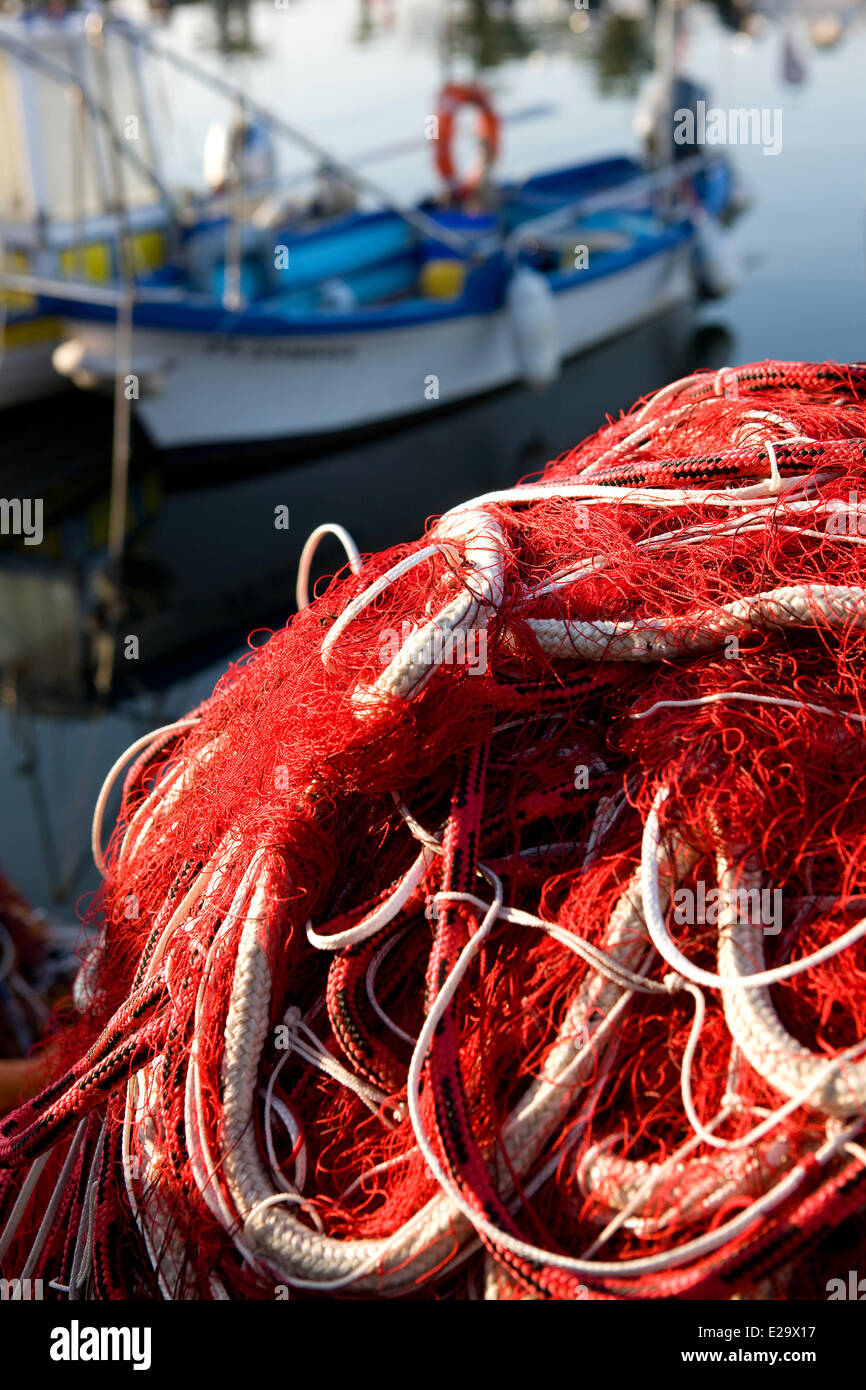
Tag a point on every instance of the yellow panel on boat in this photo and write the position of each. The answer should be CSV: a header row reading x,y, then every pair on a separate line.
x,y
92,261
16,263
148,248
442,279
95,261
31,331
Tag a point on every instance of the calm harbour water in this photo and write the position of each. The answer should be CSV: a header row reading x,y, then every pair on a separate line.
x,y
212,566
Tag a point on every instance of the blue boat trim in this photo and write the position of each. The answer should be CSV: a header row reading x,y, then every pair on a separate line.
x,y
384,234
479,298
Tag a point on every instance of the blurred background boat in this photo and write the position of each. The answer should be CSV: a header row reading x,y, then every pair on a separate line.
x,y
239,317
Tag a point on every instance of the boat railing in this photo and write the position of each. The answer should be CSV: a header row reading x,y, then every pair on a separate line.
x,y
427,227
642,186
91,292
119,296
67,234
27,53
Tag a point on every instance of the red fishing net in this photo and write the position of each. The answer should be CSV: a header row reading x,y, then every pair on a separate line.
x,y
497,929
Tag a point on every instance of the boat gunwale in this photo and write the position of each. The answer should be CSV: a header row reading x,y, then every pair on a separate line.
x,y
199,314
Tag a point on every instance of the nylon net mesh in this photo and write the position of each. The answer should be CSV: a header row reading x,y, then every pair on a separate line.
x,y
497,929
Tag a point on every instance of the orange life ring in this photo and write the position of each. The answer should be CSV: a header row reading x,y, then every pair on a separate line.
x,y
451,98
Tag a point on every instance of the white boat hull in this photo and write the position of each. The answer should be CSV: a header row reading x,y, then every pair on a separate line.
x,y
199,389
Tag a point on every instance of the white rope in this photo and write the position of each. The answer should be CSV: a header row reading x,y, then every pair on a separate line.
x,y
293,1130
777,701
101,801
311,545
829,1086
673,955
633,1268
656,639
382,915
310,1260
370,982
22,1201
53,1204
484,551
372,592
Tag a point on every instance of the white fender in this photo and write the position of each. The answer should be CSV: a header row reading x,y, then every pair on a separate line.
x,y
532,311
716,265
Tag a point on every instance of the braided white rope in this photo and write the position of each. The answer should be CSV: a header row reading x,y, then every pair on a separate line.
x,y
630,639
305,1257
807,1078
273,1233
775,1117
484,549
50,1212
202,1165
696,1190
138,1136
668,1259
680,963
372,592
836,1085
293,1130
22,1201
757,1030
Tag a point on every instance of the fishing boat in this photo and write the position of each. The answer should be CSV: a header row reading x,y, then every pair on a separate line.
x,y
240,329
355,331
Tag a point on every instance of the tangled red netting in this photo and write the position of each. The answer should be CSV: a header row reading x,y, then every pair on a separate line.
x,y
499,927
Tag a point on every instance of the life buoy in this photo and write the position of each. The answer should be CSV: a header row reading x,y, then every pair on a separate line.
x,y
451,99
